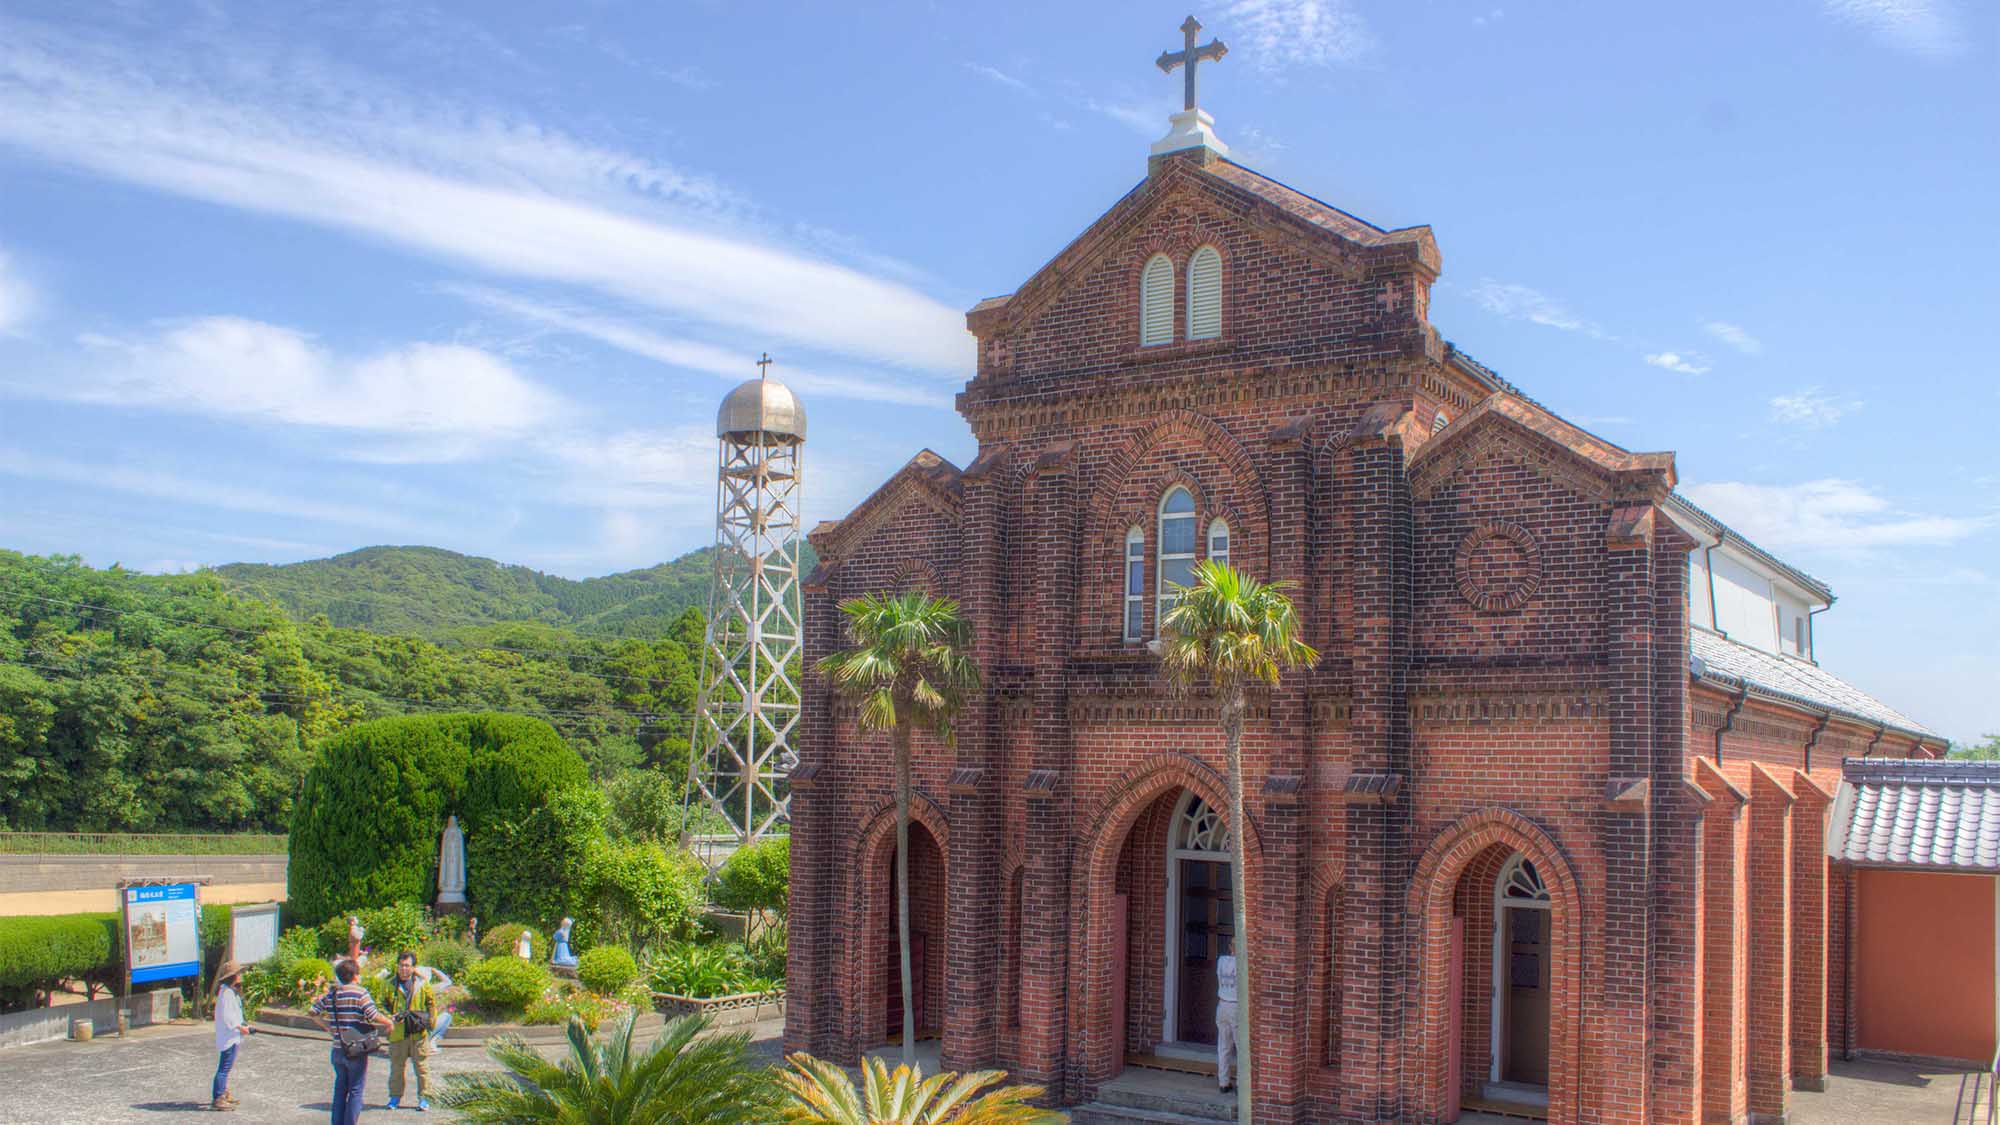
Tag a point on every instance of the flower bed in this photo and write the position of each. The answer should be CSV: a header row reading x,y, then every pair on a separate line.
x,y
725,1011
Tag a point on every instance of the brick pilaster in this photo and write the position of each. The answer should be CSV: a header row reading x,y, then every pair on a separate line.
x,y
1770,985
1622,1051
1372,958
1725,1089
815,954
1809,943
1678,814
1051,520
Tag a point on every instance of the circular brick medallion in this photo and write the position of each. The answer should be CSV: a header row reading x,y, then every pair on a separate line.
x,y
1499,567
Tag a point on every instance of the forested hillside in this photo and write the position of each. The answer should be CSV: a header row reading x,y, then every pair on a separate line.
x,y
132,702
425,590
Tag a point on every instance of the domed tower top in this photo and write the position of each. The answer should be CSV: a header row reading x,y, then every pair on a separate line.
x,y
762,410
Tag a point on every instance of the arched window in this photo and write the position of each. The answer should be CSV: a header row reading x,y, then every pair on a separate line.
x,y
1176,545
1199,829
1205,294
1521,885
1440,422
1156,302
1135,584
1218,541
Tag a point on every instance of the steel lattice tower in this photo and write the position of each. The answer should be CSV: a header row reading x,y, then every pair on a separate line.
x,y
748,708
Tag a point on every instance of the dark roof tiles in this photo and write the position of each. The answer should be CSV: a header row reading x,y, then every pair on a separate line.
x,y
1935,815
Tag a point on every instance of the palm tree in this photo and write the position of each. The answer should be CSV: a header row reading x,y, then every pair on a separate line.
x,y
822,1094
1225,636
677,1079
910,667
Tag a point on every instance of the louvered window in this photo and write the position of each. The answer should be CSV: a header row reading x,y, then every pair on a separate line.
x,y
1156,302
1205,294
1135,584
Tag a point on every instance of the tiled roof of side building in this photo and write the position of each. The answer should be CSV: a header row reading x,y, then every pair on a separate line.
x,y
1792,680
1935,815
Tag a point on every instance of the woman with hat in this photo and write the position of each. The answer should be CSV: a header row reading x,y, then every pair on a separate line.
x,y
230,1028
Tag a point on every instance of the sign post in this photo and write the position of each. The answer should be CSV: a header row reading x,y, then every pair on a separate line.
x,y
160,927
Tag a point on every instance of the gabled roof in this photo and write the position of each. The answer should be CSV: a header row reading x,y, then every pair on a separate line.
x,y
1689,512
927,476
1937,815
1502,408
1734,665
1278,201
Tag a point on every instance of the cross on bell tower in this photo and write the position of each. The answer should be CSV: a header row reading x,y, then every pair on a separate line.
x,y
1192,128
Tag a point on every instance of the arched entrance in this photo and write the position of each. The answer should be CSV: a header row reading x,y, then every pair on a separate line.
x,y
878,1015
1495,1021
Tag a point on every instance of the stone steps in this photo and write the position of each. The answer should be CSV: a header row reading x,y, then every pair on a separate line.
x,y
1098,1113
1157,1096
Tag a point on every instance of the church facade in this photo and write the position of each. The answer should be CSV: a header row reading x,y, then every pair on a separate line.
x,y
1543,828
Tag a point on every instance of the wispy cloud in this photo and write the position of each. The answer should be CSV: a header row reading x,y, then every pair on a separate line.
x,y
1147,117
995,74
693,355
1690,364
1830,514
1922,27
162,484
1489,19
231,367
1286,33
17,299
507,197
1519,302
1812,408
1734,335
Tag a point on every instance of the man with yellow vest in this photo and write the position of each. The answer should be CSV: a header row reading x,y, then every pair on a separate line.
x,y
413,1012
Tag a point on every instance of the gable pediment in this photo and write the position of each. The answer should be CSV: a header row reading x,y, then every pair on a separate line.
x,y
1513,428
928,481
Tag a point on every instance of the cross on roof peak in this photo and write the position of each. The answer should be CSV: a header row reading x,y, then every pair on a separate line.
x,y
1191,57
764,366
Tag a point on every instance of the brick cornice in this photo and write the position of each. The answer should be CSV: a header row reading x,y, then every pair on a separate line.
x,y
1494,708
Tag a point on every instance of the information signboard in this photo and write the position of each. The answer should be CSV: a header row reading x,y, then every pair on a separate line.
x,y
253,932
162,932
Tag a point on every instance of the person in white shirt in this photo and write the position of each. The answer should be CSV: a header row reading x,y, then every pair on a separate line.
x,y
1225,1020
230,1028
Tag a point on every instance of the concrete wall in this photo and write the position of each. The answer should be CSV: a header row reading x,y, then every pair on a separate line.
x,y
70,884
39,1025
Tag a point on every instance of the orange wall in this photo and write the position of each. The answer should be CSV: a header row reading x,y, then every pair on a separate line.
x,y
1925,963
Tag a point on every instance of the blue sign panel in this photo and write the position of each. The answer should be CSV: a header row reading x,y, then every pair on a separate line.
x,y
162,932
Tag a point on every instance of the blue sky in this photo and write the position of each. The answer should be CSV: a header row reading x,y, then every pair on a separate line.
x,y
278,284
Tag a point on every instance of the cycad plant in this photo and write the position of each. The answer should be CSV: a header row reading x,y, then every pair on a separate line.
x,y
910,666
1226,636
821,1093
678,1079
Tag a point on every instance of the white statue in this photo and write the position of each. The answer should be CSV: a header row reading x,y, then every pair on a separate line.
x,y
525,948
451,864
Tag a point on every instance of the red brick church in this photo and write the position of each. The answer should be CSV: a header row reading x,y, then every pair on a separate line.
x,y
1545,828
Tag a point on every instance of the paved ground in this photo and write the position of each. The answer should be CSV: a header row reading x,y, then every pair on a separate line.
x,y
161,1075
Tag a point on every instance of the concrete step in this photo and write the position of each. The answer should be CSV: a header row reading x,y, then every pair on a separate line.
x,y
1099,1113
1182,1097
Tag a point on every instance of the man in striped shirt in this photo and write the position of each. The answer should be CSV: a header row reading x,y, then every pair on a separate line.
x,y
347,1005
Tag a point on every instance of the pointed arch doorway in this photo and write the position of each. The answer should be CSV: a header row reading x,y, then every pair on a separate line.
x,y
1200,923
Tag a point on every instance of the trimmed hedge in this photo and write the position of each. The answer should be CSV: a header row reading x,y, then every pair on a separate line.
x,y
607,969
38,952
500,942
506,982
370,811
388,930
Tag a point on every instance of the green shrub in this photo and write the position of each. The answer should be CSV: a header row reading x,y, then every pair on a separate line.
x,y
295,944
644,894
449,957
371,809
309,977
500,942
607,969
646,806
506,982
538,867
590,1009
38,952
703,970
387,930
768,954
757,877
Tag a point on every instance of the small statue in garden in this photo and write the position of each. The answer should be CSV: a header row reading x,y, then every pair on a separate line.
x,y
563,958
472,931
451,865
354,935
525,948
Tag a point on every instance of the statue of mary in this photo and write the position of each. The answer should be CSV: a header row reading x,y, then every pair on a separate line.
x,y
451,865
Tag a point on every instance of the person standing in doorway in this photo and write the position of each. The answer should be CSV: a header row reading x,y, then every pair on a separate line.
x,y
349,1014
410,1035
230,1028
1225,1019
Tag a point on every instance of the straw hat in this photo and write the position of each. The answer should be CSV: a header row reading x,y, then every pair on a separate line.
x,y
228,970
